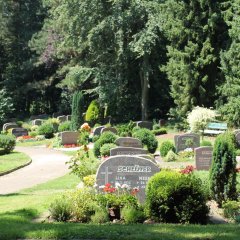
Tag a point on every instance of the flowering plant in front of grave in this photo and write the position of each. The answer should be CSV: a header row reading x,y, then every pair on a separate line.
x,y
187,170
86,127
25,139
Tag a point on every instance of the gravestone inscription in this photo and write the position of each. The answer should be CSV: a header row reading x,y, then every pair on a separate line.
x,y
129,142
18,132
145,124
127,151
109,129
131,170
188,140
69,137
203,158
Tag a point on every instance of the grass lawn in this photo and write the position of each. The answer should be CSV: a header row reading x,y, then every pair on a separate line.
x,y
18,210
34,143
13,160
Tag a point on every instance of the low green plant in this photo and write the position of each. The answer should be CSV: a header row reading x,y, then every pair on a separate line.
x,y
156,126
238,152
171,156
165,147
100,216
147,138
231,209
159,131
205,143
174,197
65,126
93,112
132,215
57,142
83,137
95,138
82,164
32,134
107,137
61,209
105,149
27,126
7,143
47,130
204,177
89,180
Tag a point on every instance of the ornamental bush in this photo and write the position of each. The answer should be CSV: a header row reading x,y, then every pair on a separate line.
x,y
47,130
147,138
165,147
65,126
171,156
93,112
77,110
159,131
132,215
7,143
223,169
105,149
172,197
107,137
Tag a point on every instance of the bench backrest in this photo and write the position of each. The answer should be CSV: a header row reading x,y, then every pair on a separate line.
x,y
214,125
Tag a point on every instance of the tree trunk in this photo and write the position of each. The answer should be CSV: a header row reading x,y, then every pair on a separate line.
x,y
144,76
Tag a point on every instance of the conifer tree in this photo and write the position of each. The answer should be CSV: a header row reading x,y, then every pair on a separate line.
x,y
77,110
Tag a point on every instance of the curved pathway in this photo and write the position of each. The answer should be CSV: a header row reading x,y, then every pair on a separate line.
x,y
47,164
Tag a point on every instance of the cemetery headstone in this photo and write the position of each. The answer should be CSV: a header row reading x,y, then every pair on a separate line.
x,y
69,137
109,129
8,126
97,130
237,134
131,170
69,117
37,122
18,132
145,124
129,142
62,118
203,158
41,116
182,141
127,151
162,122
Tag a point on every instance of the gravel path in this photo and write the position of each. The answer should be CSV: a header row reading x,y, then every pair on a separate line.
x,y
47,164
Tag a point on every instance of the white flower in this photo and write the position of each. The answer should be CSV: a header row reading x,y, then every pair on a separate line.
x,y
125,186
102,186
95,185
117,185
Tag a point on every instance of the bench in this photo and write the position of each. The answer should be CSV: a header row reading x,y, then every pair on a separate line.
x,y
215,128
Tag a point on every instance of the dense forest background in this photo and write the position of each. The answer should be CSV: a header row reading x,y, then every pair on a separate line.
x,y
140,59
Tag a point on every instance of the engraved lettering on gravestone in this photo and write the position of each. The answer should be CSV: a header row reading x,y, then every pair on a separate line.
x,y
127,151
182,141
203,158
129,142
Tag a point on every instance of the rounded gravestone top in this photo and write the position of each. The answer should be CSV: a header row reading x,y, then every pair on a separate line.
x,y
109,129
131,170
129,142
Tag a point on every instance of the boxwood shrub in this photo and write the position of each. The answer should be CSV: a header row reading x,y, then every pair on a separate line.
x,y
47,130
105,149
165,147
147,138
107,137
172,197
7,143
65,126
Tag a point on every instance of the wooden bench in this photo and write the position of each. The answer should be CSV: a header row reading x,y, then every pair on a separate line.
x,y
215,128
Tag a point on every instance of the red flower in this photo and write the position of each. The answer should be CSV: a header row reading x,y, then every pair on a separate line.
x,y
187,170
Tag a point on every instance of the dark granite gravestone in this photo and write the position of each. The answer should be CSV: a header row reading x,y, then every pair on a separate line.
x,y
18,132
237,135
127,151
129,142
131,170
109,129
8,126
145,124
181,141
203,157
69,137
97,130
37,122
62,118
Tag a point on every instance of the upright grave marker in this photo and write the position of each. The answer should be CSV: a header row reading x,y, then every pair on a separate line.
x,y
37,122
182,141
69,137
97,130
145,124
127,151
203,158
8,126
62,118
109,129
131,170
18,132
129,142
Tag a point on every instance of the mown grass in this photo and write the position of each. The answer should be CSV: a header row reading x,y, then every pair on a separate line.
x,y
13,160
17,212
34,143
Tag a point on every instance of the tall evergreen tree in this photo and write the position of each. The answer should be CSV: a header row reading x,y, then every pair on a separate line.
x,y
229,102
196,33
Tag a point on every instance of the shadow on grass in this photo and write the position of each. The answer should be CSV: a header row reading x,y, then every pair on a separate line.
x,y
13,194
17,224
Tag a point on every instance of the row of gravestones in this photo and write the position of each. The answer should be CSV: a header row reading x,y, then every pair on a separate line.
x,y
101,129
63,118
15,129
128,164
